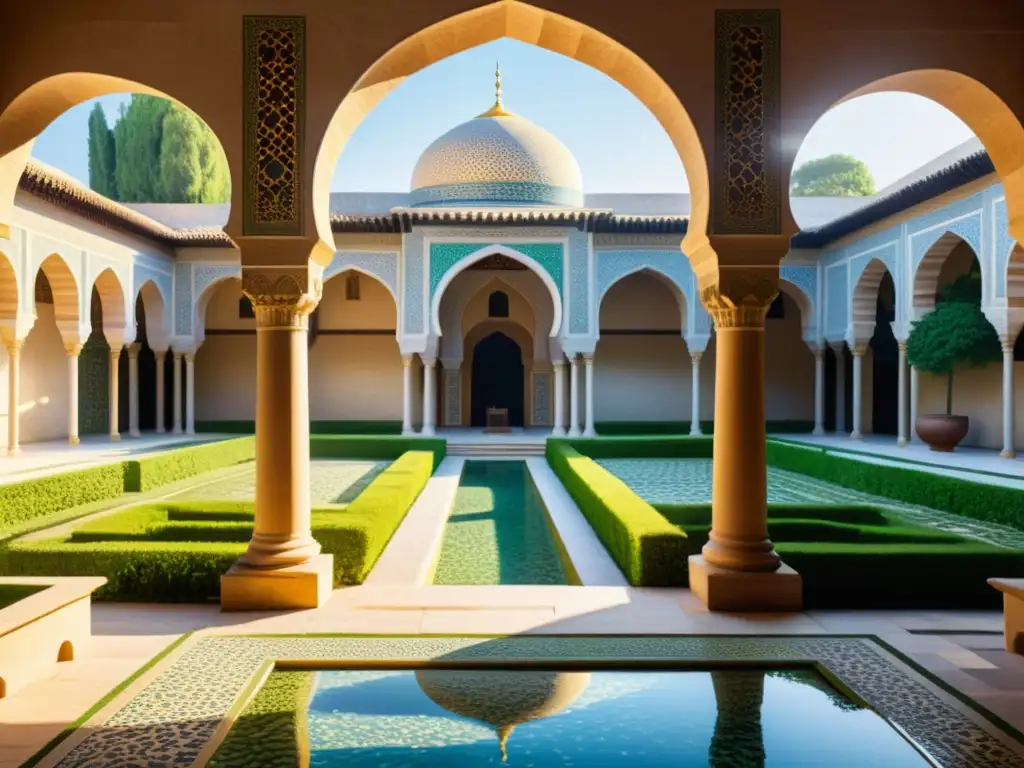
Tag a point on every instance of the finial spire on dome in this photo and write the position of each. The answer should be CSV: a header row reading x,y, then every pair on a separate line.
x,y
498,110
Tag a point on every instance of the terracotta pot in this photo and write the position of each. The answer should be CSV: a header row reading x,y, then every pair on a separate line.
x,y
942,432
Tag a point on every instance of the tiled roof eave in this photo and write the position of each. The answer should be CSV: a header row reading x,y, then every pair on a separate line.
x,y
403,220
53,188
969,169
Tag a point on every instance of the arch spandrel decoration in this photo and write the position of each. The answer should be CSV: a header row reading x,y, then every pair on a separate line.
x,y
967,229
613,266
837,303
445,256
190,281
380,265
579,284
413,290
447,260
1004,247
804,279
164,282
887,254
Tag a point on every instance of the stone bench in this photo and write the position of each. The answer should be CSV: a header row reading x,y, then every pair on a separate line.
x,y
44,628
1013,612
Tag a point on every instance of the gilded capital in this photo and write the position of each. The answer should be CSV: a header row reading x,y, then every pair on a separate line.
x,y
73,348
740,297
282,298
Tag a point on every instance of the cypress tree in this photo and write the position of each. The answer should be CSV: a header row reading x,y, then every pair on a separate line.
x,y
192,166
137,139
101,154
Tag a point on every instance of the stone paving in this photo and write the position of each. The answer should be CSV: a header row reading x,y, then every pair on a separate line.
x,y
688,481
331,482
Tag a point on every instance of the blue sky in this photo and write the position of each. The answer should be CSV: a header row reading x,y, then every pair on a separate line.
x,y
619,145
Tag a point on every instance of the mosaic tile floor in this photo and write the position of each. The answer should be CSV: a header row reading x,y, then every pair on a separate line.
x,y
498,531
331,482
688,481
171,721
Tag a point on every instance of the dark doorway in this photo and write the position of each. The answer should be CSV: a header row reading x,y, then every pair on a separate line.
x,y
497,379
885,363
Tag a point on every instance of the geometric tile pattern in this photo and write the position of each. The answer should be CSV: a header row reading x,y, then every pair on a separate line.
x,y
331,482
688,481
169,722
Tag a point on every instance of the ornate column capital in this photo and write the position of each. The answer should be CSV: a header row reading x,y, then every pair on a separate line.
x,y
1007,346
695,357
407,361
283,299
115,353
740,296
133,350
902,346
74,349
587,359
858,350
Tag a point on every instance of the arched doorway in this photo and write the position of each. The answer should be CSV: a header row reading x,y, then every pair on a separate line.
x,y
497,379
885,363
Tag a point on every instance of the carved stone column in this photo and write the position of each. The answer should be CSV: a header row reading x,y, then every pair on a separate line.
x,y
133,390
73,350
190,393
1009,427
283,566
407,395
176,429
161,358
574,396
738,568
695,393
13,396
839,349
858,351
819,390
115,398
429,396
588,367
901,396
558,430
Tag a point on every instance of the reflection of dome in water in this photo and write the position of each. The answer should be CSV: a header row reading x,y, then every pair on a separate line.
x,y
497,158
502,699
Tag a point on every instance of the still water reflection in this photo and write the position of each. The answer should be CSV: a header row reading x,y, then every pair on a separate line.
x,y
547,719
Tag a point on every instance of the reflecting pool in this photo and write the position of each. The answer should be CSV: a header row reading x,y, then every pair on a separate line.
x,y
543,719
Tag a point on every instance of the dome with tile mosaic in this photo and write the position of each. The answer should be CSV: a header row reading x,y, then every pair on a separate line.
x,y
497,159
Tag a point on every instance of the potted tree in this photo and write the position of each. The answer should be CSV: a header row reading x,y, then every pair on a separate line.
x,y
955,333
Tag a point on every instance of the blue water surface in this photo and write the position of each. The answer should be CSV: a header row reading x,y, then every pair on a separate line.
x,y
546,719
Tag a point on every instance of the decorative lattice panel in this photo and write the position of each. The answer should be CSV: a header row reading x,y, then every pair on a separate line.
x,y
275,50
748,179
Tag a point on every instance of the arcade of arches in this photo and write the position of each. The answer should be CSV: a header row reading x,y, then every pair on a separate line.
x,y
598,303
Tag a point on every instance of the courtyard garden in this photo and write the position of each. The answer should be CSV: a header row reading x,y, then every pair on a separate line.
x,y
861,535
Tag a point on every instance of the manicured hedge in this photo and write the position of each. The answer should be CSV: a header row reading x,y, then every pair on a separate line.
x,y
171,466
646,547
177,552
21,502
373,446
866,557
643,447
980,501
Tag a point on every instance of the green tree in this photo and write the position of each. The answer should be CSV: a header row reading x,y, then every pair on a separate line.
x,y
192,166
955,333
137,138
101,154
833,176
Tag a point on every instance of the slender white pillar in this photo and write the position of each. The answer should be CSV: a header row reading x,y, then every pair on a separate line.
x,y
695,393
176,429
1009,450
840,352
429,396
74,350
190,393
574,396
133,390
13,397
115,400
819,391
407,395
588,363
161,358
915,384
559,428
858,389
901,399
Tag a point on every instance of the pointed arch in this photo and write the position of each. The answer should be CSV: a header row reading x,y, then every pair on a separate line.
x,y
926,276
803,303
155,309
535,26
658,274
8,288
482,253
64,287
112,301
203,301
863,305
348,268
